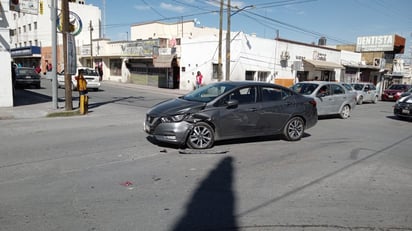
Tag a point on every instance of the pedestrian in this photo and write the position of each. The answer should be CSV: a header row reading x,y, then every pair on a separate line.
x,y
37,68
199,79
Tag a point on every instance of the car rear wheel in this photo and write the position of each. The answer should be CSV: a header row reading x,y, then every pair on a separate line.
x,y
345,112
201,137
294,129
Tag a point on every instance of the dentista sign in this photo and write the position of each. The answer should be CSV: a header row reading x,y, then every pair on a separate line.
x,y
375,43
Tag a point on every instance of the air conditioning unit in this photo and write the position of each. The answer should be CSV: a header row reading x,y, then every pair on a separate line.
x,y
377,62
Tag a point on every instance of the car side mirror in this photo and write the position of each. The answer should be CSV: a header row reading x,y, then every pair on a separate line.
x,y
233,103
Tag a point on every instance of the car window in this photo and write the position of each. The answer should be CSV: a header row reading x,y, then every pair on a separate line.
x,y
337,90
244,95
324,90
274,94
372,87
304,88
357,86
208,92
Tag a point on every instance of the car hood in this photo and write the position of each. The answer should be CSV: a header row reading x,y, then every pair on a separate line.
x,y
176,106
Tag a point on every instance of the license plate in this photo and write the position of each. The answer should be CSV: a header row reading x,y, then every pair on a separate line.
x,y
28,77
404,111
390,96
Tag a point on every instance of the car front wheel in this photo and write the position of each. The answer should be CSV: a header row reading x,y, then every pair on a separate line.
x,y
375,100
201,137
360,101
294,129
345,113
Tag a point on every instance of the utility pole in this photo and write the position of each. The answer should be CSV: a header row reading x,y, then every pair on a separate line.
x,y
67,76
227,76
91,44
228,37
219,62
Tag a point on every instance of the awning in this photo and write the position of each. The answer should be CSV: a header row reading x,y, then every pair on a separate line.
x,y
321,64
163,61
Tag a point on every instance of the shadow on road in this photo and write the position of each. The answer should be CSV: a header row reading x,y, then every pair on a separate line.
x,y
24,97
212,206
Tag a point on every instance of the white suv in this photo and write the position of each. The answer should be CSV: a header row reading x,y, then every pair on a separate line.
x,y
90,74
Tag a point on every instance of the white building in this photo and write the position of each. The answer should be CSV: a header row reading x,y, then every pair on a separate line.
x,y
31,40
6,89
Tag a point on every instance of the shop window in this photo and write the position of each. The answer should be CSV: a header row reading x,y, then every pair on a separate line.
x,y
215,70
116,67
250,75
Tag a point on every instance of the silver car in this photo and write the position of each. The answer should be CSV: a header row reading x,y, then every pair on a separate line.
x,y
366,92
331,97
230,110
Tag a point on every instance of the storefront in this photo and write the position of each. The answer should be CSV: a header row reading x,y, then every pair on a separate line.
x,y
322,70
26,56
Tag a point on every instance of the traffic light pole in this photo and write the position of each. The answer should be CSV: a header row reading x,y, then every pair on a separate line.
x,y
54,53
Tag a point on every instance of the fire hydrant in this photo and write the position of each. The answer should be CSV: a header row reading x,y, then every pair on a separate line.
x,y
82,88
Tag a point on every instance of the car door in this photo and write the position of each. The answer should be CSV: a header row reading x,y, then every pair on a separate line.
x,y
370,92
276,108
324,100
240,120
339,97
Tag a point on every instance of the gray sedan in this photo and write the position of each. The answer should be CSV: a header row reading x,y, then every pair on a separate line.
x,y
229,110
331,97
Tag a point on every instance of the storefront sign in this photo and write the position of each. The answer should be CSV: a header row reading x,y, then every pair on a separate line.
x,y
319,56
375,43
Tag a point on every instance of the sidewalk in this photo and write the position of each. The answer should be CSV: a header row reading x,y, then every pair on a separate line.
x,y
43,108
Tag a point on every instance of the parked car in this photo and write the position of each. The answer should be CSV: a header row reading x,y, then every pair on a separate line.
x,y
406,93
229,110
366,92
90,74
27,76
403,107
331,97
393,92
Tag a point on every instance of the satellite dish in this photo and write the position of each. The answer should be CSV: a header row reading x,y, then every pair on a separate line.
x,y
197,22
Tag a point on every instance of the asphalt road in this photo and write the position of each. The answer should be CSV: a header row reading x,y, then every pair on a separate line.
x,y
100,172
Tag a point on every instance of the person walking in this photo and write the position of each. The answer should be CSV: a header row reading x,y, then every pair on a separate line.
x,y
199,79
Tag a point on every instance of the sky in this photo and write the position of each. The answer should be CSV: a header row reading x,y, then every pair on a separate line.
x,y
339,21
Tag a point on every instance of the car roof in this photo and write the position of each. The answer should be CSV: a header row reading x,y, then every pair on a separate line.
x,y
248,83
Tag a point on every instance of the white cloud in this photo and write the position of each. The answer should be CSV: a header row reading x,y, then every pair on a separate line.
x,y
171,7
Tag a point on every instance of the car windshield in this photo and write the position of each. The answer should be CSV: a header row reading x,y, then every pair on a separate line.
x,y
348,86
397,87
209,92
26,72
89,72
357,86
305,88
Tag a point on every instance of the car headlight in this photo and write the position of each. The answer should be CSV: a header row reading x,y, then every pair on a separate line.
x,y
173,118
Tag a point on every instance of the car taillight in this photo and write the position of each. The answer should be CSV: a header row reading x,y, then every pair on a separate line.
x,y
313,102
